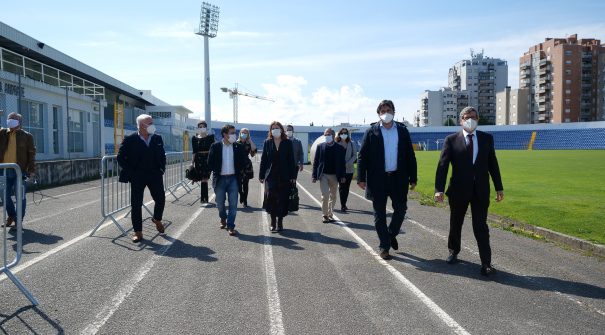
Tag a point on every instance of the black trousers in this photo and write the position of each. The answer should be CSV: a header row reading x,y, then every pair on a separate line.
x,y
204,194
343,189
480,229
399,199
155,183
243,191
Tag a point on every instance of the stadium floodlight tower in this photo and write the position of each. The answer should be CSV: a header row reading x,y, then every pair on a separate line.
x,y
208,28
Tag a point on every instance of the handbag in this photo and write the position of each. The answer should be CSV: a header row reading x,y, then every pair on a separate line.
x,y
293,199
191,173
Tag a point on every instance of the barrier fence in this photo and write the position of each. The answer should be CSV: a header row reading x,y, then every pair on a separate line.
x,y
18,229
115,196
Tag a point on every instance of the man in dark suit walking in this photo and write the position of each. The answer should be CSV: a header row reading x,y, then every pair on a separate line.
x,y
329,169
386,167
227,160
143,161
473,158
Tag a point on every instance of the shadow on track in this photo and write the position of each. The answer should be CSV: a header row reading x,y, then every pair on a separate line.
x,y
533,283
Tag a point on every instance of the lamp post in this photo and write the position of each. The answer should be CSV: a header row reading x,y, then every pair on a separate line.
x,y
208,28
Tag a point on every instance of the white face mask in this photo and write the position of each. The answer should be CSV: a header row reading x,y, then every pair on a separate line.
x,y
232,138
201,130
469,125
344,136
386,117
329,139
276,132
12,123
243,136
289,133
151,129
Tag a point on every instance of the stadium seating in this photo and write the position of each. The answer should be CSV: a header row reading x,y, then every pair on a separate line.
x,y
590,138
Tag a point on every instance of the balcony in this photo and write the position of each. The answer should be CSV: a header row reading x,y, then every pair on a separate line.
x,y
543,62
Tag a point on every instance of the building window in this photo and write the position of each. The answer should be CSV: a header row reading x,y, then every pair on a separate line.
x,y
567,120
568,72
567,110
33,122
568,61
75,136
567,91
567,101
568,81
568,52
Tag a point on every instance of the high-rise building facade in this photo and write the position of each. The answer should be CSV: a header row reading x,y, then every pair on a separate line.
x,y
481,77
512,106
565,80
439,108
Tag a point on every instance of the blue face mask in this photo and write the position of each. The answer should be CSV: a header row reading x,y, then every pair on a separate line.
x,y
243,136
12,123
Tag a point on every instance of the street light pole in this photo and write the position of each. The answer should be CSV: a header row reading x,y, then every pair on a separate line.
x,y
208,28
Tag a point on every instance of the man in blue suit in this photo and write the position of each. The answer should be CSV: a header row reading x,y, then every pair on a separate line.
x,y
143,161
329,168
386,167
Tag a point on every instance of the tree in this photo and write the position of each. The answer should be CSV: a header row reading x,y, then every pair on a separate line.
x,y
449,123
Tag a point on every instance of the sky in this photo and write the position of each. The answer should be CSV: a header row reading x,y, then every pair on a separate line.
x,y
325,62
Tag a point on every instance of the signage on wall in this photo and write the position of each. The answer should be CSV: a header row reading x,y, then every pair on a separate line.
x,y
12,89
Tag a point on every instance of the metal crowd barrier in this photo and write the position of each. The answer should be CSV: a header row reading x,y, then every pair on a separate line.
x,y
19,195
115,196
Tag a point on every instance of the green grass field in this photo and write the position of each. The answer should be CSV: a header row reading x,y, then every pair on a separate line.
x,y
560,190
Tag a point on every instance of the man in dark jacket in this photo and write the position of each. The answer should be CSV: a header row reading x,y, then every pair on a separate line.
x,y
16,146
227,159
143,161
386,167
473,158
329,169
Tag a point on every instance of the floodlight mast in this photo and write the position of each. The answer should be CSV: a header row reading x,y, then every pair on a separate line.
x,y
209,15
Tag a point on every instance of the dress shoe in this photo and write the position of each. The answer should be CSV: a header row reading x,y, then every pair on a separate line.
x,y
231,232
394,243
385,255
452,258
9,221
487,270
158,225
280,226
273,229
137,237
343,209
325,219
223,224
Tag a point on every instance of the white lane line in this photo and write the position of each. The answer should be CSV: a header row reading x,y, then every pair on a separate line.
x,y
63,211
128,287
51,197
438,311
509,270
275,314
67,244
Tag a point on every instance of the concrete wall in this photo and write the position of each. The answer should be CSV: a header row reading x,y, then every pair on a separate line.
x,y
59,172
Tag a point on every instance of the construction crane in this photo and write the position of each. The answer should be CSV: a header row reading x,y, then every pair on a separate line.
x,y
234,93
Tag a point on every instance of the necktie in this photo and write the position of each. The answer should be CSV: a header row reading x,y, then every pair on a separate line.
x,y
469,146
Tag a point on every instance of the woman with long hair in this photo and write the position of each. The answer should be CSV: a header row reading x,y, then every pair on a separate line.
x,y
344,138
277,173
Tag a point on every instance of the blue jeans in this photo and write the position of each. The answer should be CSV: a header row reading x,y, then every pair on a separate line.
x,y
11,182
226,188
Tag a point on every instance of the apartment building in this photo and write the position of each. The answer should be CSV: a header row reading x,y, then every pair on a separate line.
x,y
512,106
565,78
441,107
481,77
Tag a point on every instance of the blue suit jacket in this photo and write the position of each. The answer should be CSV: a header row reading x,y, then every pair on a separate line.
x,y
321,157
129,155
370,162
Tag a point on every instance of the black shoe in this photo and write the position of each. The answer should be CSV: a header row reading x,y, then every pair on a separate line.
x,y
452,258
272,228
343,209
487,270
394,243
385,255
325,219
